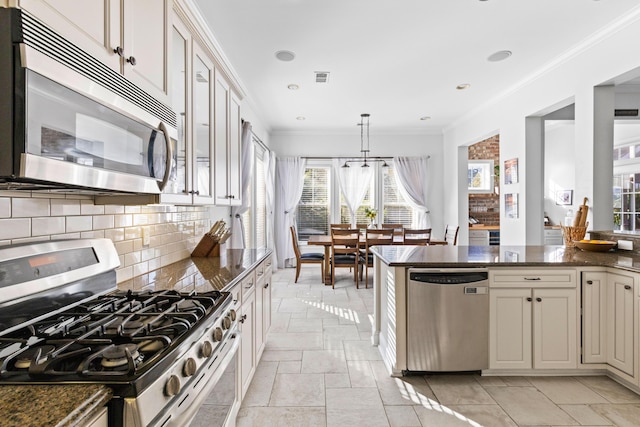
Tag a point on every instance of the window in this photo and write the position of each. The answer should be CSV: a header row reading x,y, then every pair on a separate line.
x,y
395,209
314,209
254,220
322,202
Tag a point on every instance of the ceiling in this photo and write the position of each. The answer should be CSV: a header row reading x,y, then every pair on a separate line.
x,y
398,60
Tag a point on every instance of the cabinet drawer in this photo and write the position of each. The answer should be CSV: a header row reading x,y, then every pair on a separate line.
x,y
552,232
248,286
533,278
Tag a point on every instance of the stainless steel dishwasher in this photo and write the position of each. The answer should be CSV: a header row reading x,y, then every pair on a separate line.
x,y
447,320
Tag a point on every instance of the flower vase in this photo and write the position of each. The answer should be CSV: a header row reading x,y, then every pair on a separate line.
x,y
372,224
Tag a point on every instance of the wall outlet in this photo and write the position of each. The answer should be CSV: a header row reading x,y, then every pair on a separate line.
x,y
627,245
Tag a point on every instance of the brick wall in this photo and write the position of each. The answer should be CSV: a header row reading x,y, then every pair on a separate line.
x,y
173,230
486,207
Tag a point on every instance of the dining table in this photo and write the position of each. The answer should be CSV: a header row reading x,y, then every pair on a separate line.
x,y
325,240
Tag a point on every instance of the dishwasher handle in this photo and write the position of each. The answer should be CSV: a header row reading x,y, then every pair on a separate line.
x,y
448,278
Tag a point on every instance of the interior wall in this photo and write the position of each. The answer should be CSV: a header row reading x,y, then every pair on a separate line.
x,y
559,170
573,77
485,207
384,145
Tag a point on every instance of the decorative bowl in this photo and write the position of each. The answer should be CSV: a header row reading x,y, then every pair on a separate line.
x,y
595,245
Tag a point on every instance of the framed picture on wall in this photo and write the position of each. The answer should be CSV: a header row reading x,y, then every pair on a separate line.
x,y
564,197
480,176
511,205
511,171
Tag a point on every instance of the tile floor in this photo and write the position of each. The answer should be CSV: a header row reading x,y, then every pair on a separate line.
x,y
319,369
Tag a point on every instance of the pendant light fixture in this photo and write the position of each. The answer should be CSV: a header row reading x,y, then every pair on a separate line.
x,y
364,146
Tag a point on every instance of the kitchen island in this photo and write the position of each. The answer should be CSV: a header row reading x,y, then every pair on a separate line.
x,y
553,310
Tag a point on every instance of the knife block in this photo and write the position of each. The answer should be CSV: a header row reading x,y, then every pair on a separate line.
x,y
207,247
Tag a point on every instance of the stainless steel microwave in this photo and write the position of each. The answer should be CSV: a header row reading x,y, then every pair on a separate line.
x,y
68,121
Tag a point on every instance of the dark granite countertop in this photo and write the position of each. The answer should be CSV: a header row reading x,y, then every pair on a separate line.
x,y
200,274
51,405
504,256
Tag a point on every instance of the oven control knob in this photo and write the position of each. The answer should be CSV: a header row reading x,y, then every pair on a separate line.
x,y
189,367
217,334
232,315
226,322
172,387
207,349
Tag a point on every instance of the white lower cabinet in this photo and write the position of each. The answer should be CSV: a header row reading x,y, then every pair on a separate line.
x,y
594,317
532,328
247,342
620,324
608,320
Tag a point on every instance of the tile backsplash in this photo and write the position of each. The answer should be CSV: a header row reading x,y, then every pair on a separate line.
x,y
170,232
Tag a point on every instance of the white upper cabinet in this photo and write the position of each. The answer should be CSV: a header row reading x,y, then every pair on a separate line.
x,y
227,143
129,36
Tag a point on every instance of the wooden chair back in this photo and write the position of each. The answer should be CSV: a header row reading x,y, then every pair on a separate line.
x,y
373,237
294,240
417,236
345,251
451,234
397,228
340,226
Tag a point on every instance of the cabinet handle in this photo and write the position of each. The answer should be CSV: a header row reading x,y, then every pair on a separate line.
x,y
532,278
539,299
529,299
266,286
131,60
250,285
589,282
118,50
627,287
243,318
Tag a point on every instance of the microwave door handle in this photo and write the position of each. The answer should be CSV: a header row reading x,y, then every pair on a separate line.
x,y
167,169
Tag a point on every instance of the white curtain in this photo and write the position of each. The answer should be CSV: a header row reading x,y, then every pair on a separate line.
x,y
237,227
289,183
270,179
354,182
411,176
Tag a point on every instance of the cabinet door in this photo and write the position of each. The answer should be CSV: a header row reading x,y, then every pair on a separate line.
x,y
510,329
94,26
145,29
179,185
620,327
202,133
266,305
234,174
247,343
594,319
555,329
221,139
259,337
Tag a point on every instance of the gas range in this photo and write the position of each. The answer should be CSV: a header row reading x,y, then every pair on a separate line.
x,y
62,321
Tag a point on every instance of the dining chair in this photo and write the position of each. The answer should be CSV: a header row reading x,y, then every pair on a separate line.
x,y
306,258
396,227
375,237
416,236
340,226
345,252
451,234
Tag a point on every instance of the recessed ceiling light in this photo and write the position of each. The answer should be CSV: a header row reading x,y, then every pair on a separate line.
x,y
425,118
463,86
301,118
293,86
285,55
500,55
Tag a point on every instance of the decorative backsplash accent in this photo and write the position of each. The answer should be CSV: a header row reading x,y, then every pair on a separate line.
x,y
171,231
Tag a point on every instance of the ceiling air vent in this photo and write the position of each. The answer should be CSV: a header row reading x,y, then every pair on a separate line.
x,y
626,113
322,76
